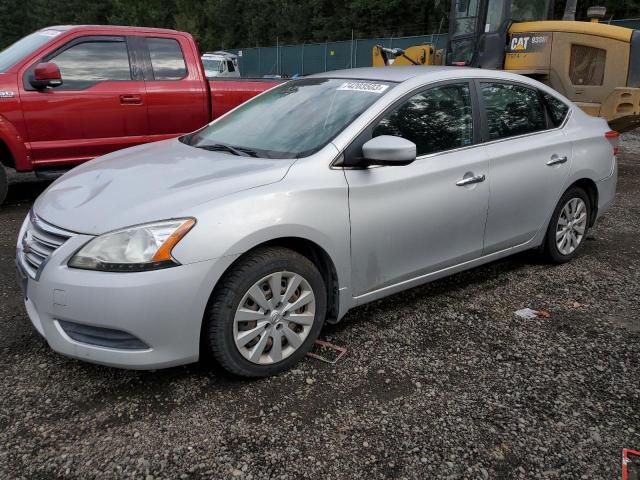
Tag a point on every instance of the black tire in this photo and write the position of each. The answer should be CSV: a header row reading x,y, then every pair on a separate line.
x,y
218,333
550,250
4,184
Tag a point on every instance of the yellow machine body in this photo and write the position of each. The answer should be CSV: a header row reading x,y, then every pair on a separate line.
x,y
415,55
588,62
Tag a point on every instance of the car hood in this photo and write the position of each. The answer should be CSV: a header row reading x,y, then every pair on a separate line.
x,y
147,183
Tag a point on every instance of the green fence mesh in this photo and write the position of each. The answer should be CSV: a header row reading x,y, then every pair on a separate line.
x,y
308,58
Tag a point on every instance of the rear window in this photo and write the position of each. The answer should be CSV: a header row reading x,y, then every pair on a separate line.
x,y
167,59
512,110
586,66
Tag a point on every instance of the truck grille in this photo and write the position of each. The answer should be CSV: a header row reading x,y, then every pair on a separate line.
x,y
39,241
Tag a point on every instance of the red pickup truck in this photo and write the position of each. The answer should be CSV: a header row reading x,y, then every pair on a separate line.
x,y
69,94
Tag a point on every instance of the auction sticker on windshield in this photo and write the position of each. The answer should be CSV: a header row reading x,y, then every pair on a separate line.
x,y
363,87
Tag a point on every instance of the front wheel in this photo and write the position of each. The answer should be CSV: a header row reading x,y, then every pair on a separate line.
x,y
266,313
568,227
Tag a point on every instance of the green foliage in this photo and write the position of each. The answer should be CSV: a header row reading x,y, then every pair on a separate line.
x,y
246,23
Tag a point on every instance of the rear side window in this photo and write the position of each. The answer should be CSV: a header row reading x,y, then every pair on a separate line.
x,y
87,63
586,66
435,120
167,59
557,109
512,110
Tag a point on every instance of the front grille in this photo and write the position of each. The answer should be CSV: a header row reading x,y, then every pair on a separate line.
x,y
38,242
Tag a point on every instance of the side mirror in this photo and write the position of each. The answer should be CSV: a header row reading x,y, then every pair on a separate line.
x,y
389,150
45,75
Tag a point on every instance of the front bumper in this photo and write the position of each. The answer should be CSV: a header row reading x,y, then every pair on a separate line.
x,y
163,308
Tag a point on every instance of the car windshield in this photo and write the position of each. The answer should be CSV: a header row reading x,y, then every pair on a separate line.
x,y
293,120
23,47
211,65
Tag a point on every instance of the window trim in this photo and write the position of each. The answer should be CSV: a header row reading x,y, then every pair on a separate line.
x,y
149,76
72,43
366,133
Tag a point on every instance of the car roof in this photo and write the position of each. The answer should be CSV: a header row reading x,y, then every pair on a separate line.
x,y
426,73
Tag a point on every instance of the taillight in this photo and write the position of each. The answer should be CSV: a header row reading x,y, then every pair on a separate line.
x,y
614,140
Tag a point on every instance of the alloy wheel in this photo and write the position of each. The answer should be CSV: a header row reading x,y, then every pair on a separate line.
x,y
571,226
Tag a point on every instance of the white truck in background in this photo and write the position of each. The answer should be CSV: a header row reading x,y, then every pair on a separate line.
x,y
220,64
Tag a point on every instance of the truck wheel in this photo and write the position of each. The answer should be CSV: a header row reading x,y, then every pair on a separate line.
x,y
4,184
266,313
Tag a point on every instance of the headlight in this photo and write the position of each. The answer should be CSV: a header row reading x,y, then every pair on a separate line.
x,y
133,249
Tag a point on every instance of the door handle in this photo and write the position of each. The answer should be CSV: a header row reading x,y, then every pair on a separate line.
x,y
557,160
130,99
471,180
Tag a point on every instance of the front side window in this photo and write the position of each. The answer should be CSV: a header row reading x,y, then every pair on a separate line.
x,y
512,110
586,66
293,120
87,63
167,60
557,109
435,120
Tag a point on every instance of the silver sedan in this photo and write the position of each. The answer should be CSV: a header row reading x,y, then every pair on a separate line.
x,y
242,239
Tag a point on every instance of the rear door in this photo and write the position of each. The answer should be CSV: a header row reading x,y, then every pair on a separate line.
x,y
177,93
530,160
99,108
409,221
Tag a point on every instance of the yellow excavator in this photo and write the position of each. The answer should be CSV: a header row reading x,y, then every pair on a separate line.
x,y
594,64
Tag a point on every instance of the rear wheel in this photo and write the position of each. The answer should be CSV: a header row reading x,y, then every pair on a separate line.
x,y
568,227
4,184
266,313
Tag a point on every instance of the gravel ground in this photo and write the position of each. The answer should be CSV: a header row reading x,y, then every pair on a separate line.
x,y
440,381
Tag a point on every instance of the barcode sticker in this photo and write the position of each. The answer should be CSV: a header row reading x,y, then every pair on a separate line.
x,y
369,87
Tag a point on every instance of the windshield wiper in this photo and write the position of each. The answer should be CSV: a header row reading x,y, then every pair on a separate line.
x,y
222,147
230,148
248,151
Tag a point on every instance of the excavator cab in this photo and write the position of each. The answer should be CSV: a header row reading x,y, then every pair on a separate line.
x,y
479,29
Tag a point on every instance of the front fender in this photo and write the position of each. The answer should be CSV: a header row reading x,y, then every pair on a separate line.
x,y
21,160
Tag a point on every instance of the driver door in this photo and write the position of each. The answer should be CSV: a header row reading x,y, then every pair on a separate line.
x,y
99,108
409,221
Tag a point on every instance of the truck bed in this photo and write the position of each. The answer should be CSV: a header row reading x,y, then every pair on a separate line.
x,y
227,93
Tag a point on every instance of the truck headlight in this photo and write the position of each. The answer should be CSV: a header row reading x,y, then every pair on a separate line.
x,y
133,249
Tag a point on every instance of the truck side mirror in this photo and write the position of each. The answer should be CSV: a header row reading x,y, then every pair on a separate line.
x,y
45,75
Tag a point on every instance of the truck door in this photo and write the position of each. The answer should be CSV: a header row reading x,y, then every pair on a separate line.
x,y
99,108
177,94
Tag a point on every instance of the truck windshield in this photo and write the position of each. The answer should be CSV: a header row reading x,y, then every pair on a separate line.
x,y
23,47
293,120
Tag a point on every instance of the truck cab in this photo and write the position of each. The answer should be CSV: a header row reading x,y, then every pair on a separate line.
x,y
221,65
